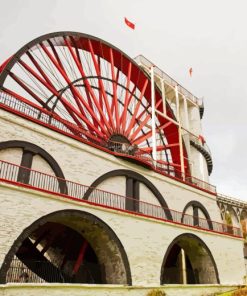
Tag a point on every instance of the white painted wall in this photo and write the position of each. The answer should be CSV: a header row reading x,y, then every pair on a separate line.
x,y
39,164
145,240
115,185
146,195
82,163
13,155
86,290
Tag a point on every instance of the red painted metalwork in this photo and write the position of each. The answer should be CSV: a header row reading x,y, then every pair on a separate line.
x,y
75,93
43,117
22,103
29,91
94,86
80,257
4,64
89,90
149,134
100,82
68,106
132,122
75,191
159,148
115,100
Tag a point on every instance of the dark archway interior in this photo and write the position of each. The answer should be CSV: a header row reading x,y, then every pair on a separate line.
x,y
56,253
173,267
188,261
67,247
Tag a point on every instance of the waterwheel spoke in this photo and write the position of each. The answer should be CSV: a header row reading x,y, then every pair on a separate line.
x,y
89,90
127,97
96,66
133,119
149,134
74,91
95,91
114,85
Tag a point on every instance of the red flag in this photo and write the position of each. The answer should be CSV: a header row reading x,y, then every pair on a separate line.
x,y
129,24
190,71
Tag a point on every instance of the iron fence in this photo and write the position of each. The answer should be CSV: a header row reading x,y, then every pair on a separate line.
x,y
18,272
26,177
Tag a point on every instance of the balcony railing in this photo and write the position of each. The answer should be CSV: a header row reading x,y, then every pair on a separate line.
x,y
231,200
48,119
26,177
18,272
141,60
33,271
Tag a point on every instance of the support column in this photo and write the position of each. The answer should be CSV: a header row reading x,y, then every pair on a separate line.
x,y
163,92
129,193
187,130
26,164
195,216
154,150
132,193
183,267
186,114
180,134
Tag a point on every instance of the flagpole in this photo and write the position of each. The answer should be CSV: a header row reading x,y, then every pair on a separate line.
x,y
154,150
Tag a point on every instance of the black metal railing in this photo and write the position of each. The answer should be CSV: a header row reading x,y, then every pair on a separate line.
x,y
18,272
9,172
33,271
51,120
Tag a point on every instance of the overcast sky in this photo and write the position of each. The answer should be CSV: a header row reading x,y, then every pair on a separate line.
x,y
209,36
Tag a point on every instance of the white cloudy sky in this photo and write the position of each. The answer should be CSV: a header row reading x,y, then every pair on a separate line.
x,y
209,36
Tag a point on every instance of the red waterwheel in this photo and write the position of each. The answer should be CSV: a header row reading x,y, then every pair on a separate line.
x,y
93,85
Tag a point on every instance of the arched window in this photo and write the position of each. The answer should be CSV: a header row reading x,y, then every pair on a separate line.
x,y
196,211
137,188
188,260
30,156
243,219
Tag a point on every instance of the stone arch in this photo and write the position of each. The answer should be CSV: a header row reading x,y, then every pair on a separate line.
x,y
112,260
196,205
188,252
243,214
243,221
131,175
29,150
222,210
231,213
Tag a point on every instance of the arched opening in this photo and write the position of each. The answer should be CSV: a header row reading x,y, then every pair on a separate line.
x,y
67,246
188,261
243,220
30,156
196,214
230,219
137,187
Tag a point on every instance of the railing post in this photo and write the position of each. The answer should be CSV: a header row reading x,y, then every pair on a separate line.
x,y
39,180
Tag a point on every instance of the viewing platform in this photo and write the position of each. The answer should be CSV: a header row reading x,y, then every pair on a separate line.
x,y
48,119
24,177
